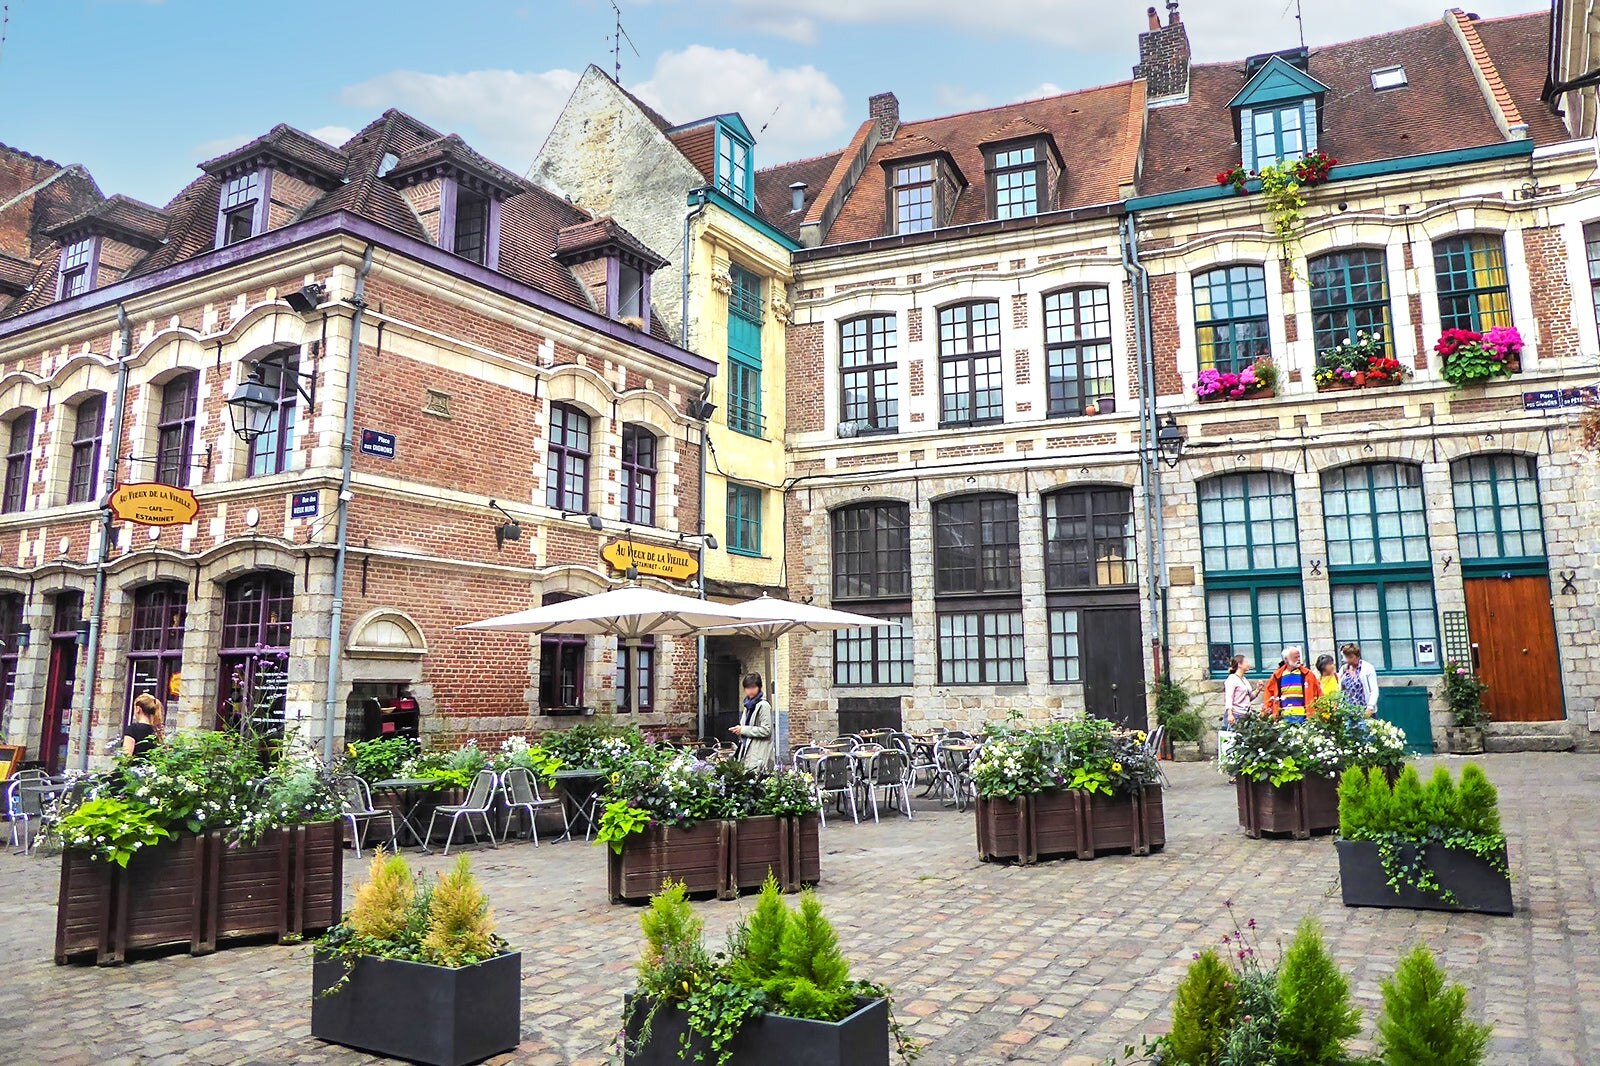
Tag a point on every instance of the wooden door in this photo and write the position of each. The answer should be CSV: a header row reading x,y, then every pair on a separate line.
x,y
1514,639
57,725
1113,665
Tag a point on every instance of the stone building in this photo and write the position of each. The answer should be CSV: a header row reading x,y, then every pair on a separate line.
x,y
689,192
1015,312
500,383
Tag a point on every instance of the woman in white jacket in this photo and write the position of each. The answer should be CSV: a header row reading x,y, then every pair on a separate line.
x,y
1358,681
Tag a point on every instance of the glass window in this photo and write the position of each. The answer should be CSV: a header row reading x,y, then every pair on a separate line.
x,y
1473,292
155,643
733,167
87,427
1258,620
1388,619
630,291
1230,317
175,429
1279,134
77,268
1016,180
1349,293
10,646
271,449
19,462
744,353
867,373
913,198
872,551
563,658
1375,515
1088,538
471,238
1250,551
567,467
240,204
1077,340
744,519
1591,244
1497,507
969,364
980,648
638,475
257,620
1066,666
976,546
877,656
636,686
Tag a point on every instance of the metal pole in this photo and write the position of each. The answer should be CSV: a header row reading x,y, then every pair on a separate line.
x,y
1148,459
336,616
700,517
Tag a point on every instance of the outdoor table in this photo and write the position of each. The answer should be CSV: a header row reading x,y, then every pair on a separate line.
x,y
577,788
46,791
410,792
966,768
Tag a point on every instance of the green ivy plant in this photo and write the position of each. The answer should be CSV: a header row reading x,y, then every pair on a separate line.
x,y
110,829
1280,188
620,821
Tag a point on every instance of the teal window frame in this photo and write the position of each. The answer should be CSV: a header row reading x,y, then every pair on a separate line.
x,y
744,519
1493,493
1277,134
1234,510
1232,323
744,353
1376,520
1349,294
1474,284
736,174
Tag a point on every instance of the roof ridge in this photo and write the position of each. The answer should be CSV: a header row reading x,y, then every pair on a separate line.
x,y
797,162
1103,87
1487,74
24,153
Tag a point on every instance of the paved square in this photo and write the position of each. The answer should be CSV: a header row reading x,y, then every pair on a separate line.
x,y
1060,963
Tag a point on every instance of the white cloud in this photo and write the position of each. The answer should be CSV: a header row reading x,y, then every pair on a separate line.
x,y
1040,91
334,135
953,98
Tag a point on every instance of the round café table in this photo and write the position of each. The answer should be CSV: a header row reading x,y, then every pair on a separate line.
x,y
409,791
580,790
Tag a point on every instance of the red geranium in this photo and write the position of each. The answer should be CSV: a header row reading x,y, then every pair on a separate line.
x,y
1453,340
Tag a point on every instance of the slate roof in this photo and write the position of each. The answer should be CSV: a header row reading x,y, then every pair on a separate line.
x,y
289,144
136,221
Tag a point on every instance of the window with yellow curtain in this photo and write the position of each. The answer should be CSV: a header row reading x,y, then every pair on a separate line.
x,y
1473,293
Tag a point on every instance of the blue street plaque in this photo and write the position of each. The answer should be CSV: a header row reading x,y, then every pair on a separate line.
x,y
377,442
303,505
1555,399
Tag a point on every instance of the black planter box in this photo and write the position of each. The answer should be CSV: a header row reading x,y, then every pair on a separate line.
x,y
862,1039
422,1013
1477,885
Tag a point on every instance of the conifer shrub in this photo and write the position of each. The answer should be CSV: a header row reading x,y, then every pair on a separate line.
x,y
383,901
1315,1015
813,976
1439,798
1354,801
1406,813
1204,1012
1477,802
460,927
1424,1020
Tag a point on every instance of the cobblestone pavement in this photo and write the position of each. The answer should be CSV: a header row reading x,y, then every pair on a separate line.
x,y
1059,963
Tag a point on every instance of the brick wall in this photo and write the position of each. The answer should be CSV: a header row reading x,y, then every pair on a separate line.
x,y
1546,250
806,403
1164,330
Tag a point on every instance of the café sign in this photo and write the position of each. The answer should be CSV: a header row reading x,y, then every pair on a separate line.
x,y
152,504
674,564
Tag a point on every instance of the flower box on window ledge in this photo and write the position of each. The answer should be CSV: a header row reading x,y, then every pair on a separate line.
x,y
1361,362
1258,381
1469,357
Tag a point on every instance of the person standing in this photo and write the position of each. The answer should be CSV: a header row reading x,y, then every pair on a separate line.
x,y
1328,675
1292,689
755,726
147,729
1358,680
1237,693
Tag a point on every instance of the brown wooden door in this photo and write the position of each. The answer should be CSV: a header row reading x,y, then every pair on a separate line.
x,y
58,688
1514,635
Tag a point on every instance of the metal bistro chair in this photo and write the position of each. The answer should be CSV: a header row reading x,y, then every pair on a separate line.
x,y
953,773
24,807
355,802
521,793
890,773
1152,747
479,797
836,778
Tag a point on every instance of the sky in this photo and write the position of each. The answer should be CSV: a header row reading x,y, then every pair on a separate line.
x,y
141,91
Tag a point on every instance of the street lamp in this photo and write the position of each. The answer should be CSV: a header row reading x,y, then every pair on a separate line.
x,y
1169,442
251,407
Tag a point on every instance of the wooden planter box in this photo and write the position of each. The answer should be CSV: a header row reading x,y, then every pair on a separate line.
x,y
1062,822
197,891
418,1012
1298,809
720,858
1340,386
1221,397
1478,886
862,1039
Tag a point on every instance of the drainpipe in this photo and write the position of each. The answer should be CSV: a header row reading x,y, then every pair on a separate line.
x,y
700,552
1149,460
107,528
336,616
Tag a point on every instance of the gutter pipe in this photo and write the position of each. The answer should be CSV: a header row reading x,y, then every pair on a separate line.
x,y
1149,460
700,518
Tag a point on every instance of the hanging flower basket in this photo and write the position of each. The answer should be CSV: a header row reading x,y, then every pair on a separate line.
x,y
1258,381
1470,357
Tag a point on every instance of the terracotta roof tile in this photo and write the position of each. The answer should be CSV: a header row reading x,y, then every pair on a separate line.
x,y
1499,95
599,233
453,150
16,274
291,145
841,171
1519,46
138,222
698,143
773,197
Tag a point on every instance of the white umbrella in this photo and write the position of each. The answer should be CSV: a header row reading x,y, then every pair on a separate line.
x,y
631,613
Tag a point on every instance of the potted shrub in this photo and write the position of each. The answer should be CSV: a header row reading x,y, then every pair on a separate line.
x,y
1234,1006
1463,694
1358,362
1469,356
1079,787
781,995
1183,726
416,971
1423,847
1286,773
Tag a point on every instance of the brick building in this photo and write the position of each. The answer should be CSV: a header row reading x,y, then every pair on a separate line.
x,y
503,381
1010,308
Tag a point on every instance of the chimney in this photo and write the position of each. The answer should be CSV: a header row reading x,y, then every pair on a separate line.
x,y
797,197
884,109
1164,55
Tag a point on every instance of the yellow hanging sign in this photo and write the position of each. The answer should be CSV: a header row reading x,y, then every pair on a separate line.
x,y
674,564
151,504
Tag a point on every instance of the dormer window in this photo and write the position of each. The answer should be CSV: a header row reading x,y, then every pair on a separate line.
x,y
613,265
1016,180
735,175
471,230
630,301
78,262
914,197
1278,110
1279,135
923,184
242,211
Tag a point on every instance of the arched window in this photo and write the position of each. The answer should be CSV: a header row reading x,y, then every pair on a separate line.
x,y
872,575
567,471
978,590
638,475
1250,552
1379,565
19,462
1077,350
969,364
257,620
88,422
867,374
155,642
1471,274
1497,507
1088,538
175,429
1230,317
1349,295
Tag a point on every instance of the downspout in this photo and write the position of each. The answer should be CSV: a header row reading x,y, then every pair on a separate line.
x,y
336,616
107,528
700,518
1149,460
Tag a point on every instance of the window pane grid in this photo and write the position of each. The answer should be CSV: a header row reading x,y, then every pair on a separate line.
x,y
638,476
867,372
969,364
567,465
1066,666
1497,507
913,198
1230,313
1089,538
86,433
976,545
872,551
1349,294
1015,177
1388,619
980,647
175,429
875,656
1077,335
1375,515
744,519
1471,274
19,461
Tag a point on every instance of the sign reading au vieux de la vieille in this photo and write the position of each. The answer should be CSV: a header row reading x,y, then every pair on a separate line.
x,y
151,504
673,564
